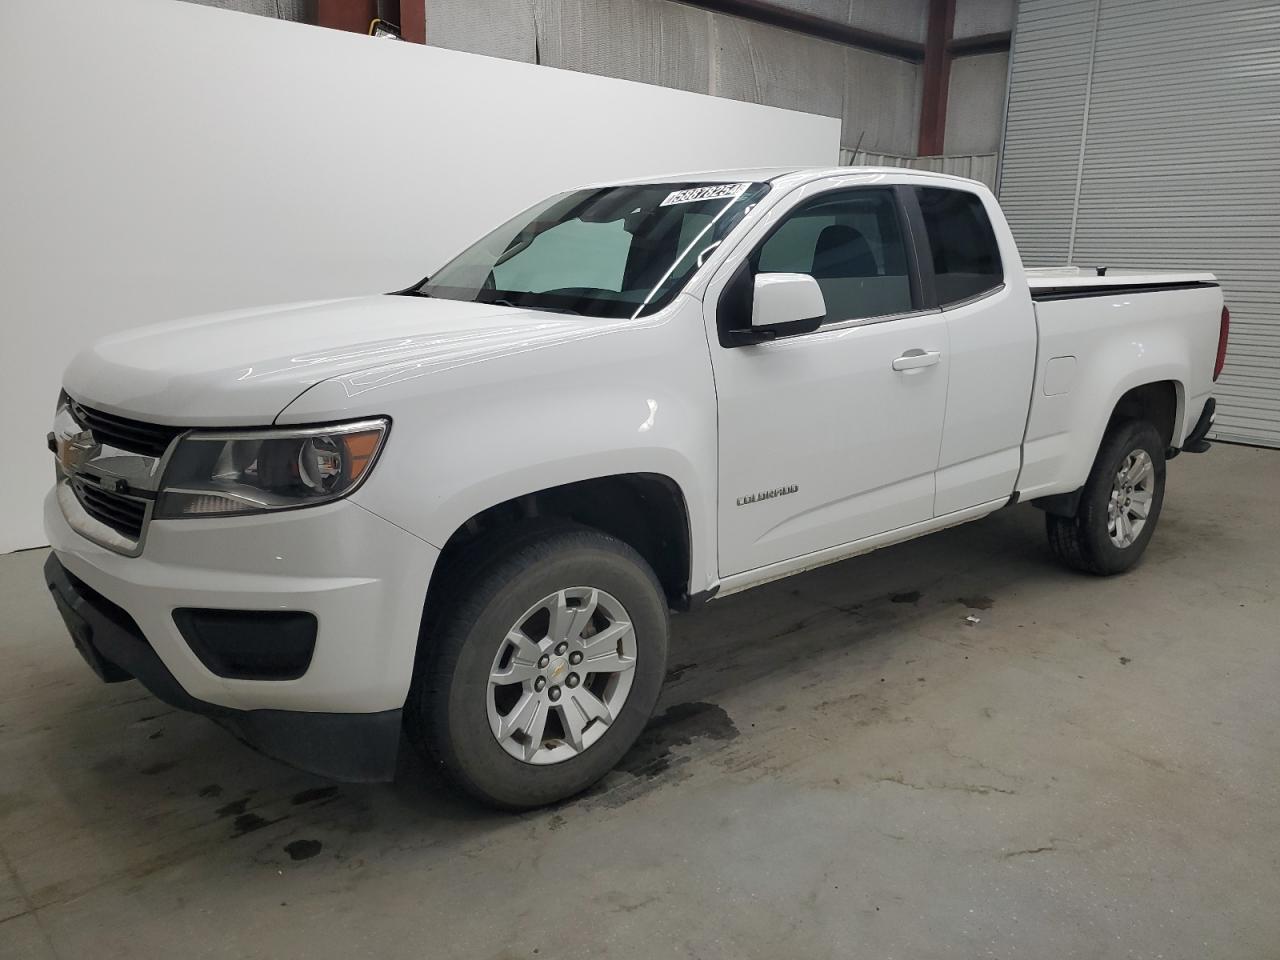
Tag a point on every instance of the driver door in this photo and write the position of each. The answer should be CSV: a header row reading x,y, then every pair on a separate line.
x,y
831,436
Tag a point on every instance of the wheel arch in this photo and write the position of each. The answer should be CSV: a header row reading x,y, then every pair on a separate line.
x,y
647,511
1159,402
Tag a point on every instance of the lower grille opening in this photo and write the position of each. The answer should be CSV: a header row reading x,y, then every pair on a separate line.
x,y
250,644
125,515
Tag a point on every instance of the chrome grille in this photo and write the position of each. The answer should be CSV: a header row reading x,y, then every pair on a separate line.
x,y
135,436
125,515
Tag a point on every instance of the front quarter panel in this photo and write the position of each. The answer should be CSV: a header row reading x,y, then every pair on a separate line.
x,y
615,397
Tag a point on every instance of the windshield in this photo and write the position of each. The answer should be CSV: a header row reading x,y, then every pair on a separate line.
x,y
610,252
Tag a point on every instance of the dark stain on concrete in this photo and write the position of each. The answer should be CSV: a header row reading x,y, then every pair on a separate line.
x,y
794,628
314,794
1025,853
160,767
212,790
234,808
679,726
911,596
977,602
1125,661
556,822
303,849
249,822
676,672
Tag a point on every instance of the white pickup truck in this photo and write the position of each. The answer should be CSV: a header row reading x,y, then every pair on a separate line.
x,y
464,510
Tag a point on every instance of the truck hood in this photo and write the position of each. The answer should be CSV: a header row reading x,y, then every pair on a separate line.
x,y
244,367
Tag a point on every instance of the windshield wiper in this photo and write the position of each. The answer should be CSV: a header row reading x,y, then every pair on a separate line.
x,y
413,291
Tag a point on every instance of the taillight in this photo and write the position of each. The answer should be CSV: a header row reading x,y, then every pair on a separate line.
x,y
1223,329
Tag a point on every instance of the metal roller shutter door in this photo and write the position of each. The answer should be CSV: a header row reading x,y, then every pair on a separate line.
x,y
1146,133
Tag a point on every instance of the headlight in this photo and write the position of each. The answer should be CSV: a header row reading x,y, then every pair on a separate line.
x,y
223,474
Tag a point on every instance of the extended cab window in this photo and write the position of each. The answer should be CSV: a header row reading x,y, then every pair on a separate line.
x,y
966,258
852,244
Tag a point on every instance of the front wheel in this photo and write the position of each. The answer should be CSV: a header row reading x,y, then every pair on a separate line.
x,y
544,670
1119,505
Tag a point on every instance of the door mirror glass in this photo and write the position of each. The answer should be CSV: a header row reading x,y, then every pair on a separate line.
x,y
787,303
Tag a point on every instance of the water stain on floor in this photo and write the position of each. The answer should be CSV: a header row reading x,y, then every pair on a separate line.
x,y
679,726
314,794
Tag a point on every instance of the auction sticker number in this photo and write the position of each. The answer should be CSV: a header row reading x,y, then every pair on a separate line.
x,y
719,191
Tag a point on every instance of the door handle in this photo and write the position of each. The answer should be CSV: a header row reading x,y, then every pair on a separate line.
x,y
917,360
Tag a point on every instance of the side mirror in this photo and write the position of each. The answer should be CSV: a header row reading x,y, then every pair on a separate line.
x,y
785,303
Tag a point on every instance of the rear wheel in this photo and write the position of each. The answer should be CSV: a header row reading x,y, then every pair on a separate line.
x,y
544,669
1119,505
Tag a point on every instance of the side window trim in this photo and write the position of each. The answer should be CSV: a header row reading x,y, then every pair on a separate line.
x,y
921,255
902,198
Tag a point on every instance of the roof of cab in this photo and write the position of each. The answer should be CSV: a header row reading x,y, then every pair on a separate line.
x,y
792,174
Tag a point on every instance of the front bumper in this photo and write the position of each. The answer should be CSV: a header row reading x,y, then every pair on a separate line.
x,y
363,579
357,747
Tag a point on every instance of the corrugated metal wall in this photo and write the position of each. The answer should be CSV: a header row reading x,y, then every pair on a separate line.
x,y
1146,133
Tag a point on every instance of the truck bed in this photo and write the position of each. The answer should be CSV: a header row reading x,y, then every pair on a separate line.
x,y
1058,283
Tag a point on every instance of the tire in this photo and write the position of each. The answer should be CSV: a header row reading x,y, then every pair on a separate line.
x,y
455,711
1087,541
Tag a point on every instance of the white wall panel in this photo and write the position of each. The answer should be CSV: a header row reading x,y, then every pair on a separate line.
x,y
260,161
1178,166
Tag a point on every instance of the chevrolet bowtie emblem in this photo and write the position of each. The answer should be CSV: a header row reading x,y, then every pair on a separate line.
x,y
75,449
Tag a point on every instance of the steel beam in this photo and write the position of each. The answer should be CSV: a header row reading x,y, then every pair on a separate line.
x,y
937,78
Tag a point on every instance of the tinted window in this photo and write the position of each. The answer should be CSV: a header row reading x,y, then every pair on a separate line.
x,y
852,244
573,254
966,259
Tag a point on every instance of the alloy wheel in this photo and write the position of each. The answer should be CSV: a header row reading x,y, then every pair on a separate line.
x,y
1131,495
561,675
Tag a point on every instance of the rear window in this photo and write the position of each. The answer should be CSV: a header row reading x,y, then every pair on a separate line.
x,y
966,258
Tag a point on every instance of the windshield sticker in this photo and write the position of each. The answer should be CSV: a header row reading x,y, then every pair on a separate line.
x,y
692,195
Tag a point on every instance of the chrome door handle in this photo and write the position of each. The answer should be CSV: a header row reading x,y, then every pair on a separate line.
x,y
917,360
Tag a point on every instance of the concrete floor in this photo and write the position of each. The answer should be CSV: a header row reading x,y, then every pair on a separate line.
x,y
846,767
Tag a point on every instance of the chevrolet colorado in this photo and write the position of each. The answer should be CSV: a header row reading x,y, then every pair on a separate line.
x,y
465,510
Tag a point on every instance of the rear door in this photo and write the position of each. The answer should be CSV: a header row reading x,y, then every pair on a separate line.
x,y
976,277
822,441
